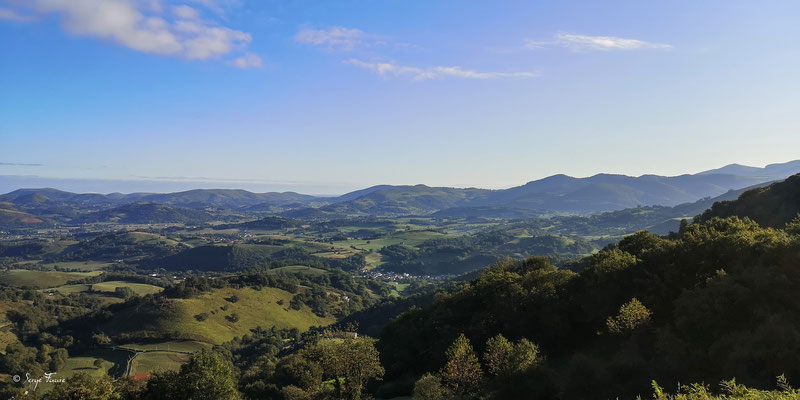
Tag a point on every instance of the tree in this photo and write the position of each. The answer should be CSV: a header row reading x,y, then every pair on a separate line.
x,y
631,316
351,363
462,374
82,386
498,354
292,392
429,387
503,357
124,292
101,339
127,388
294,370
207,376
793,227
58,360
524,357
98,363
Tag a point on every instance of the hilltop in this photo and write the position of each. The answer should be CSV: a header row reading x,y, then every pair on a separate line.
x,y
771,206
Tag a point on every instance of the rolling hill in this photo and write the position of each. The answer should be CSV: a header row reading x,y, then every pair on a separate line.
x,y
178,318
554,194
771,206
147,213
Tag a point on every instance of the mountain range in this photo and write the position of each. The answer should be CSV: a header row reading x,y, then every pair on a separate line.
x,y
557,194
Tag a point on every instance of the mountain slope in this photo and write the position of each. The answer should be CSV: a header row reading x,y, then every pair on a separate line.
x,y
772,206
559,193
147,213
229,198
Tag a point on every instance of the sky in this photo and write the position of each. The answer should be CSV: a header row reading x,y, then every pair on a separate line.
x,y
324,97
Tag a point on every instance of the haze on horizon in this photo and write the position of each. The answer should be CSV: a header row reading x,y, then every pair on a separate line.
x,y
327,98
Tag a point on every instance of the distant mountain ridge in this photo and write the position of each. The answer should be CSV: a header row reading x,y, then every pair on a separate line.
x,y
558,194
553,194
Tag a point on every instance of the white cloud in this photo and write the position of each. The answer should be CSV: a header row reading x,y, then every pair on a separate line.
x,y
246,61
185,12
437,72
140,25
7,14
217,6
337,38
577,42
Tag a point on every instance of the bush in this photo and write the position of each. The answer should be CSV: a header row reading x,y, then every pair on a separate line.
x,y
429,387
201,317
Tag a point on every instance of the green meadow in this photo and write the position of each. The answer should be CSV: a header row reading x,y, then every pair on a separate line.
x,y
41,279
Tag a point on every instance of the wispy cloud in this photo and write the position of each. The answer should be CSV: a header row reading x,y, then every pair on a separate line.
x,y
338,38
141,25
7,164
577,42
7,14
437,72
246,61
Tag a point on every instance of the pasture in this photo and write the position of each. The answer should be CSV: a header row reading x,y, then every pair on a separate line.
x,y
41,279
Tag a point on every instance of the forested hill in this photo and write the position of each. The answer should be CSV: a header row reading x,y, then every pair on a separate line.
x,y
718,301
713,302
772,206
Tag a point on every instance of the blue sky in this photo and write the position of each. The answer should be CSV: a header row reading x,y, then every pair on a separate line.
x,y
327,96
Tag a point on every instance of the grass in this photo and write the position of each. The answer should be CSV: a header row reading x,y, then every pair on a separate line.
x,y
113,363
299,270
78,265
152,238
139,288
254,307
146,363
69,289
188,346
399,288
41,279
408,238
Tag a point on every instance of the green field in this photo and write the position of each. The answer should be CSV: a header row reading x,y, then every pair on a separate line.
x,y
139,288
150,362
408,238
69,289
299,270
254,308
41,279
399,288
114,364
189,346
78,265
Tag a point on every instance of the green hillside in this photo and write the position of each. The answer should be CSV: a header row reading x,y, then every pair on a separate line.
x,y
773,206
714,302
147,213
41,279
208,317
218,257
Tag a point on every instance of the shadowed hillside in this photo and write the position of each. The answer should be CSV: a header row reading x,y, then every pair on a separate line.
x,y
771,206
